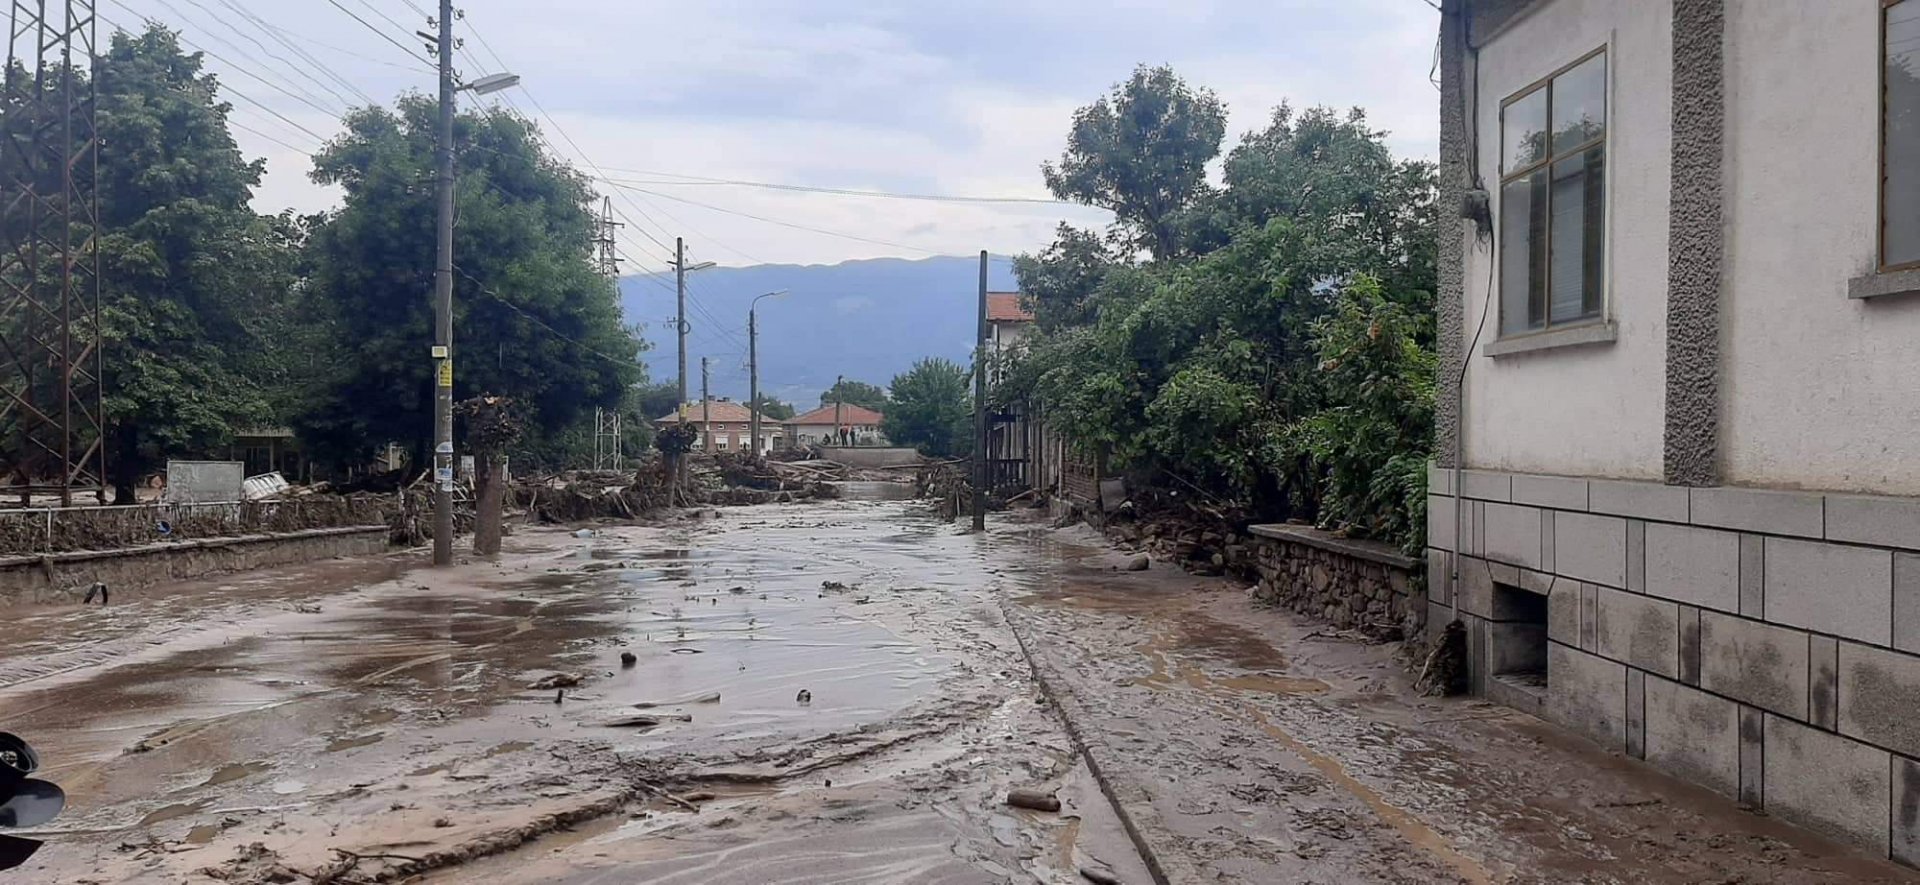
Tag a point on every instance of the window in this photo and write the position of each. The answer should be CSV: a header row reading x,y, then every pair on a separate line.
x,y
723,444
1900,138
1553,199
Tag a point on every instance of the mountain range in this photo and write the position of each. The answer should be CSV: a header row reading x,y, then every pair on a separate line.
x,y
867,320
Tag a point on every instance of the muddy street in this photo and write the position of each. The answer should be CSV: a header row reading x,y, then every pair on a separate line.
x,y
830,692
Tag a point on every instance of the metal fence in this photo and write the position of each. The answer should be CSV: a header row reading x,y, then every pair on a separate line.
x,y
34,530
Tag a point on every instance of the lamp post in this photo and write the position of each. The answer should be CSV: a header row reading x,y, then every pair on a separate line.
x,y
443,286
680,271
753,371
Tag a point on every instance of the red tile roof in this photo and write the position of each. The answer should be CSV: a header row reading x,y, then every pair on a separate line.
x,y
717,411
850,415
1005,307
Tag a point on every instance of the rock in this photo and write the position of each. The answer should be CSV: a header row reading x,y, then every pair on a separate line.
x,y
1219,560
583,533
1099,875
1036,799
1138,563
804,697
628,659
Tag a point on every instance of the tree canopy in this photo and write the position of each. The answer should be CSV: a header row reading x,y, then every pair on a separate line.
x,y
858,393
931,408
770,407
532,318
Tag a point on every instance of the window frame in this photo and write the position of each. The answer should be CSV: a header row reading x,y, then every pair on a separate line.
x,y
1880,149
1504,177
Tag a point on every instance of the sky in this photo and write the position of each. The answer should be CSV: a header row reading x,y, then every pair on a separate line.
x,y
946,97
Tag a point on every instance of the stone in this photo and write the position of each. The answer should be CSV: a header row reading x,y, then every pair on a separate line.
x,y
1558,492
1846,591
1879,697
1138,563
1486,485
1693,734
1440,522
1828,783
1639,630
1693,565
1512,535
1563,613
1641,500
1758,510
1757,663
1588,694
1871,519
1591,548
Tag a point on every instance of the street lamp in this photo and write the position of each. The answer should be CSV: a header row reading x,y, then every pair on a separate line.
x,y
492,83
680,268
753,371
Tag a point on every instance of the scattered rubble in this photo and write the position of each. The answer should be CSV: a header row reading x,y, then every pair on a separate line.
x,y
1033,798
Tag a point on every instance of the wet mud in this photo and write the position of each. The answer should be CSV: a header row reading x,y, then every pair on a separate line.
x,y
827,692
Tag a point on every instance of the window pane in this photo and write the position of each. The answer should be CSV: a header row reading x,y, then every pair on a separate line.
x,y
1594,245
1523,130
1580,104
1574,256
1523,221
1902,126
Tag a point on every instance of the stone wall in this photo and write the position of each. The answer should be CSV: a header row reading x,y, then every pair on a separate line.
x,y
1765,644
64,577
1363,585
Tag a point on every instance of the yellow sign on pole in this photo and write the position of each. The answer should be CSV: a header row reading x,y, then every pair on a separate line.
x,y
446,373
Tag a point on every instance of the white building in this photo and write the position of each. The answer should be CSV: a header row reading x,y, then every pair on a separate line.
x,y
1681,259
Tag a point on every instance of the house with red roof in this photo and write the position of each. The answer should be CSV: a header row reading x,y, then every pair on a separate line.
x,y
725,426
836,424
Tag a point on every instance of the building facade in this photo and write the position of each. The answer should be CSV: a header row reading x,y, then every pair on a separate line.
x,y
723,425
1680,292
844,424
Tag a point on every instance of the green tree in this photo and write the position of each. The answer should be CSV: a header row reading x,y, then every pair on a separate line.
x,y
1059,283
931,409
532,319
194,286
1142,152
772,408
856,393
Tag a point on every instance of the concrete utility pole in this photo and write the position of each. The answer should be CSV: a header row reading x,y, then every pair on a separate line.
x,y
706,410
443,305
980,408
753,384
680,294
839,399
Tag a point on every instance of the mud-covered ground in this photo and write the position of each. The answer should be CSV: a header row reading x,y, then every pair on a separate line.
x,y
882,681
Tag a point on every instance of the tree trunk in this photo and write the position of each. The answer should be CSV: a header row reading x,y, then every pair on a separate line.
x,y
489,515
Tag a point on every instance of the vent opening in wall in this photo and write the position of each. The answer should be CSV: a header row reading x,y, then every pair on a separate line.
x,y
1517,640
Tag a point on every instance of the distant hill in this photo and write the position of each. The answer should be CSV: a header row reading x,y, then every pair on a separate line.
x,y
868,320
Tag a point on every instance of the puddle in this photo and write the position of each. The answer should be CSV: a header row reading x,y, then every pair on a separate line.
x,y
202,834
174,812
234,771
857,490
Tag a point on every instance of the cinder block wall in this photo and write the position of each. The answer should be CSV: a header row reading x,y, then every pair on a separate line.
x,y
1765,644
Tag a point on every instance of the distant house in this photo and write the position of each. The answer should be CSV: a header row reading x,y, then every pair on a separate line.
x,y
843,424
1008,321
725,426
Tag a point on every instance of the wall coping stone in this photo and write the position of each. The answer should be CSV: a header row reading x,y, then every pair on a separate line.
x,y
1371,551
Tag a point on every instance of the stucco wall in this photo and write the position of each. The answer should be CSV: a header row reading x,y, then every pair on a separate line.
x,y
1818,390
1595,410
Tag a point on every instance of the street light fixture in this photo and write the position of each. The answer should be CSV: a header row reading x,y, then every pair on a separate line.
x,y
753,371
492,83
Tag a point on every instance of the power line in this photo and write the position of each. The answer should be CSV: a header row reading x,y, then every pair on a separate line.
x,y
249,56
229,63
381,34
817,230
539,322
696,180
245,128
280,37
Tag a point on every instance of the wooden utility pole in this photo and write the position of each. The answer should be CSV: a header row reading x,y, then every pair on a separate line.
x,y
753,385
443,304
839,400
980,407
706,411
680,295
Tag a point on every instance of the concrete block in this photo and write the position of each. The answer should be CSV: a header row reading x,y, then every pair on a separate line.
x,y
1823,681
1487,485
1905,846
1641,500
1440,522
1847,591
1753,575
1753,756
1639,630
1589,617
1637,555
1439,480
1512,534
1906,601
1563,613
1757,510
1535,582
1692,565
1693,734
1476,587
1879,697
1591,548
1588,694
1557,492
1828,783
1546,542
1756,663
1476,529
1689,645
1637,714
1437,575
1868,519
